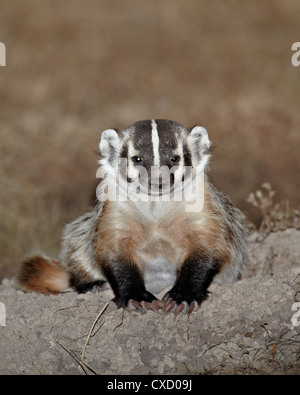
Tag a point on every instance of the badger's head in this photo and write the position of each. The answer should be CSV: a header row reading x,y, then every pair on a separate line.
x,y
154,156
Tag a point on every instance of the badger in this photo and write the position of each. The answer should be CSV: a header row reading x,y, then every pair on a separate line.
x,y
158,222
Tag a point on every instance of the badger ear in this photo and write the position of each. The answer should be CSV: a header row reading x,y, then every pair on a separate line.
x,y
200,140
109,142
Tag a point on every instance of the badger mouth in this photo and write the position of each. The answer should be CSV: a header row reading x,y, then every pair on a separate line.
x,y
160,190
150,189
162,186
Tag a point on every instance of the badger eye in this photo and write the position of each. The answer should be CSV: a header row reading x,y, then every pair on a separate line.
x,y
175,159
137,159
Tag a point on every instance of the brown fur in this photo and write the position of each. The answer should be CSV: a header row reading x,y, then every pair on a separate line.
x,y
118,235
43,274
123,235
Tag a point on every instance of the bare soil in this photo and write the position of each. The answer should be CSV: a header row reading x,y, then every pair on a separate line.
x,y
248,327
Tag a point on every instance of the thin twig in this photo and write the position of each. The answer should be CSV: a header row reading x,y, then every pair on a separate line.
x,y
64,308
81,363
91,330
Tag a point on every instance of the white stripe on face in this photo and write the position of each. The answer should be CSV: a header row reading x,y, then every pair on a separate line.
x,y
155,142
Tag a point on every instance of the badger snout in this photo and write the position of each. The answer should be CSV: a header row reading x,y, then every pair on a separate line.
x,y
161,180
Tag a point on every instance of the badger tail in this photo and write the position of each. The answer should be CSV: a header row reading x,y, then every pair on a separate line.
x,y
43,274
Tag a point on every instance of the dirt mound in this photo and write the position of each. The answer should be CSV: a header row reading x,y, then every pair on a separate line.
x,y
252,326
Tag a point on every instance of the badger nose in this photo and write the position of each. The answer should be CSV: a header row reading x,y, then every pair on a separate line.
x,y
158,187
155,180
160,179
159,184
155,187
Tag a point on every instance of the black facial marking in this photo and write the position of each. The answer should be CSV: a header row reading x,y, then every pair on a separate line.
x,y
168,141
187,155
142,142
124,152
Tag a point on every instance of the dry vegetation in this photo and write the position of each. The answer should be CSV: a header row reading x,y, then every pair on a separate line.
x,y
74,69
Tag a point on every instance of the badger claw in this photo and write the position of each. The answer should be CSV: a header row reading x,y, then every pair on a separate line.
x,y
184,307
134,305
142,307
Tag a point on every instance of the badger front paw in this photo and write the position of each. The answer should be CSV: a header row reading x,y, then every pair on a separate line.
x,y
139,302
178,301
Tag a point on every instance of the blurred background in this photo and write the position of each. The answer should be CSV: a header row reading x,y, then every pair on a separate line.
x,y
75,68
